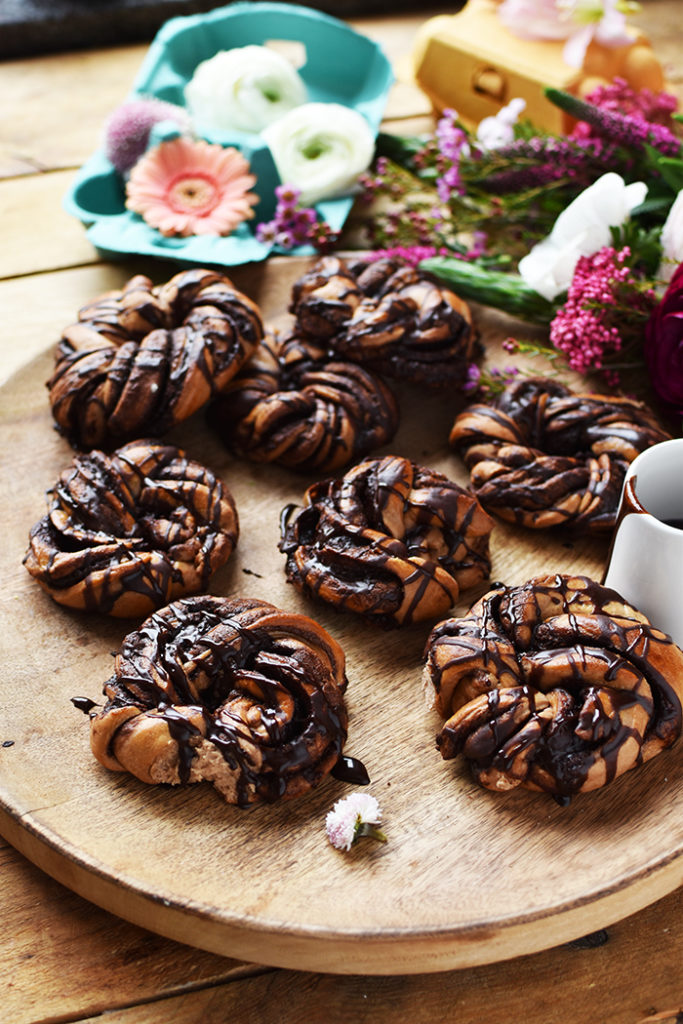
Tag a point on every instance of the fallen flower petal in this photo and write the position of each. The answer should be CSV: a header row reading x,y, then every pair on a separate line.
x,y
351,817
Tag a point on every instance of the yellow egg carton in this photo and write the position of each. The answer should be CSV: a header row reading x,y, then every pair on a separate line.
x,y
471,62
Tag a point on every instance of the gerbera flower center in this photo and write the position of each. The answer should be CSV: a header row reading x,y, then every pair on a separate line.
x,y
194,193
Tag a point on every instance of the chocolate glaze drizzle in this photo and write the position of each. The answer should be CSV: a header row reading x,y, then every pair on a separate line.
x,y
142,359
394,319
127,532
294,405
542,456
236,678
390,540
556,685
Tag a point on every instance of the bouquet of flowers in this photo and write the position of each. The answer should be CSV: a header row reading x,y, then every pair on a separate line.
x,y
582,233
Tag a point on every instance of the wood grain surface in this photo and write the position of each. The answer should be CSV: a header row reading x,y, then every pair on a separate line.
x,y
65,959
467,877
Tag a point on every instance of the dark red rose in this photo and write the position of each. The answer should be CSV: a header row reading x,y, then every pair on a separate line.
x,y
664,344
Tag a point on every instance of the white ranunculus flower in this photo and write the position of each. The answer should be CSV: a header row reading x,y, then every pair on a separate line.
x,y
672,239
320,148
580,230
243,89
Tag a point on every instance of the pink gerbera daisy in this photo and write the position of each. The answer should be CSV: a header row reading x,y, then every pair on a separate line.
x,y
187,187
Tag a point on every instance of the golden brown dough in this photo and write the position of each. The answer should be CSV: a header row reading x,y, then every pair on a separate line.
x,y
391,540
394,319
144,358
292,405
126,533
228,690
557,685
542,456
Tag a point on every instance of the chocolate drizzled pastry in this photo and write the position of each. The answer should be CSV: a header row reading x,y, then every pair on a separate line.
x,y
391,540
292,405
232,691
396,320
144,358
542,456
126,533
557,685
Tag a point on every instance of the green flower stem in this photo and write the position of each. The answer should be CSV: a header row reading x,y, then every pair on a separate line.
x,y
507,292
366,828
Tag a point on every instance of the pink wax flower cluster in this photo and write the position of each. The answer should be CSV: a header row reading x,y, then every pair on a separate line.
x,y
664,345
605,312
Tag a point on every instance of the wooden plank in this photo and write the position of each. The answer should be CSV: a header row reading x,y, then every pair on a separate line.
x,y
38,233
615,983
48,929
58,105
122,845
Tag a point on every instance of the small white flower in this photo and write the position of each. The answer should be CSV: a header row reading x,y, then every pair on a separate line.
x,y
672,239
493,132
320,148
582,229
351,817
243,89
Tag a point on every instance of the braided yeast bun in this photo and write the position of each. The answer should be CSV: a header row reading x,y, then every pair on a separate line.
x,y
556,685
391,540
126,533
292,405
144,358
542,456
394,319
228,690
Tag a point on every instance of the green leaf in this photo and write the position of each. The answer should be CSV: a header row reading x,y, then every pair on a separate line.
x,y
507,292
400,148
670,168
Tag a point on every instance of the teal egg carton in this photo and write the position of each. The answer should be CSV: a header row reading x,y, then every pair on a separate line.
x,y
340,66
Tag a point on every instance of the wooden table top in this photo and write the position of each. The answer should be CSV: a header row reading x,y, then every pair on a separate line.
x,y
64,958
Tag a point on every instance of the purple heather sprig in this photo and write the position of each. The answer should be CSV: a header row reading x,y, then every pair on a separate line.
x,y
619,97
351,817
485,382
294,225
605,313
545,160
453,144
622,129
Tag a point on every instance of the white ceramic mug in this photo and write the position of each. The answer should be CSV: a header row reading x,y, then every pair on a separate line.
x,y
646,559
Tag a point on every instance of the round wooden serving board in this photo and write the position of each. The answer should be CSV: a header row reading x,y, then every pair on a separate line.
x,y
466,877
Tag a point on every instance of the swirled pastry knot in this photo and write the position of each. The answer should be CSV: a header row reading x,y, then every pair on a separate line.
x,y
228,690
126,533
391,540
543,456
142,359
557,685
293,405
392,318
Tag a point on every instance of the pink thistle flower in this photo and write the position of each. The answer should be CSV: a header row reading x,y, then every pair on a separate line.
x,y
351,817
128,128
183,187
